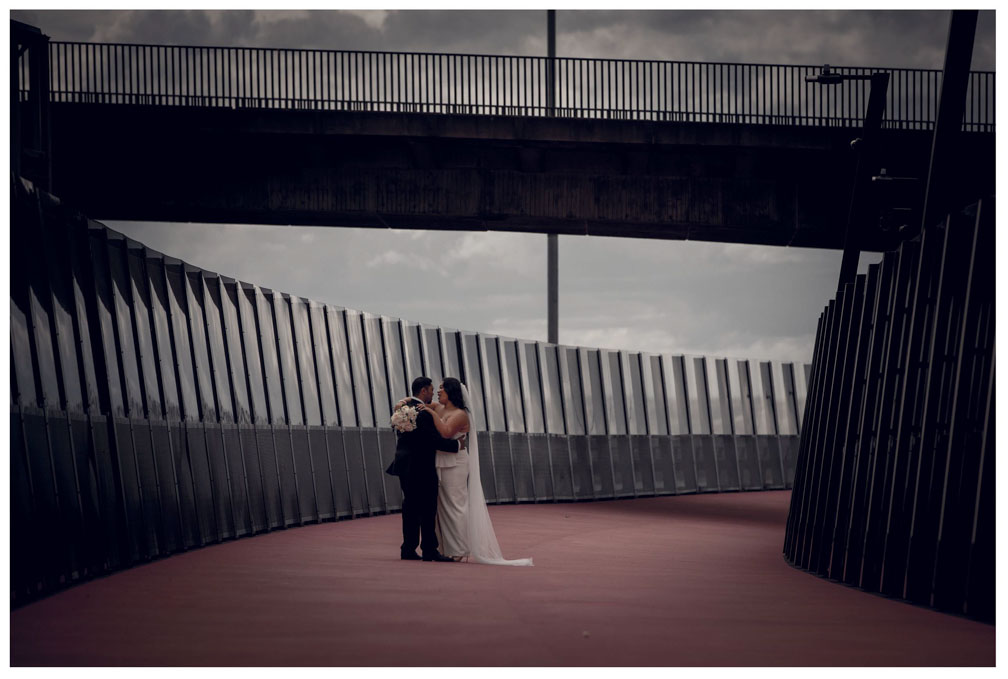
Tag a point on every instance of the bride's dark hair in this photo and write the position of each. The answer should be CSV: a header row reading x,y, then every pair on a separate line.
x,y
453,389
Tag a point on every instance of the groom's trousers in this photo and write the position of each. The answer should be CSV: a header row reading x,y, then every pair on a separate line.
x,y
420,493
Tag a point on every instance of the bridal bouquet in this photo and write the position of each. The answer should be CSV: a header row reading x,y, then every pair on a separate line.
x,y
404,419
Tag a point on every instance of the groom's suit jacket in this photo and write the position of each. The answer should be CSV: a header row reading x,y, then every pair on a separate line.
x,y
415,450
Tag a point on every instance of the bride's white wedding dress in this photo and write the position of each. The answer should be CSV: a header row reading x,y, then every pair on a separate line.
x,y
453,501
464,522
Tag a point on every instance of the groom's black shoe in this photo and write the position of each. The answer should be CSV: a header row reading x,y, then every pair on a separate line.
x,y
437,556
409,556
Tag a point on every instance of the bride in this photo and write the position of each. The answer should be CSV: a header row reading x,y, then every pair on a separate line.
x,y
464,527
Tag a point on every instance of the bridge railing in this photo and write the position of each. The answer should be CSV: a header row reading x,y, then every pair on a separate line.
x,y
245,77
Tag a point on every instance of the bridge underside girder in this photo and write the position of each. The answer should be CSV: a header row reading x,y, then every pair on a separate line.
x,y
711,182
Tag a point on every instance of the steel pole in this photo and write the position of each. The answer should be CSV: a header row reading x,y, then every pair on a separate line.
x,y
941,182
552,240
15,107
866,166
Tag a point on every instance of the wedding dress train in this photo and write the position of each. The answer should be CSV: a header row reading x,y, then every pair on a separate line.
x,y
481,539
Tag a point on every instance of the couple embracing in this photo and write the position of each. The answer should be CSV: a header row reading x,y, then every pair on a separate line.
x,y
437,462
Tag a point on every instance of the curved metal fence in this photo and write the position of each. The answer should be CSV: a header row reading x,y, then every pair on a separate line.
x,y
158,407
247,77
894,490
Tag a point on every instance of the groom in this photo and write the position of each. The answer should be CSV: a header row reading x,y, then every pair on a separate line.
x,y
414,465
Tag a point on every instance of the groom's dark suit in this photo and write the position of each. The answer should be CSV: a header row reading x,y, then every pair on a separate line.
x,y
414,465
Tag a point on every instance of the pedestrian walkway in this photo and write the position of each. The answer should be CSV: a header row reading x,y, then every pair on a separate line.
x,y
685,580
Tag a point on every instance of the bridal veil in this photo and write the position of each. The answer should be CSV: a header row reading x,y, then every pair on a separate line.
x,y
483,547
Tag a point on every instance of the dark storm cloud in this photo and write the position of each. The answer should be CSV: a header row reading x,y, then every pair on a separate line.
x,y
870,38
491,32
168,27
322,30
198,27
904,38
473,31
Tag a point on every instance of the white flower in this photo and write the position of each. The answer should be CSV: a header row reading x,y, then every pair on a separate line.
x,y
404,419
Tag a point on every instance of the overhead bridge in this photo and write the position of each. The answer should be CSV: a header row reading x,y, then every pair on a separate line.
x,y
725,152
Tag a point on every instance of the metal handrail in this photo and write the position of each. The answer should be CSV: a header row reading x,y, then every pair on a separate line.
x,y
479,84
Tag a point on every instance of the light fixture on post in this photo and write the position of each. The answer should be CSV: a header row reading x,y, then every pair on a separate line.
x,y
865,147
827,76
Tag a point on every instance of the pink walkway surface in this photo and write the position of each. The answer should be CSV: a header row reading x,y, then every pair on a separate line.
x,y
690,580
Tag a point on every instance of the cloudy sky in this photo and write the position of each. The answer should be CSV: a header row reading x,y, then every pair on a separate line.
x,y
660,296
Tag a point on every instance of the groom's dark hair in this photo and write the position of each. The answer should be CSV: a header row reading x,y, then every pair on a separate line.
x,y
419,384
